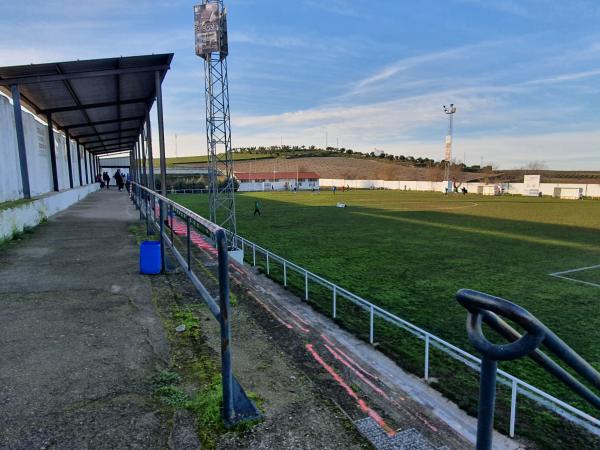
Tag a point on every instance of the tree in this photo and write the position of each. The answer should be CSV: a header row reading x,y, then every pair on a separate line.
x,y
535,165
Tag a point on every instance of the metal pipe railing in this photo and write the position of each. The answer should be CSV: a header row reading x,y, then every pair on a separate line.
x,y
236,405
486,308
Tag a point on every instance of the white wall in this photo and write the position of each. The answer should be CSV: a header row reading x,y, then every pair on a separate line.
x,y
589,190
246,186
38,156
13,220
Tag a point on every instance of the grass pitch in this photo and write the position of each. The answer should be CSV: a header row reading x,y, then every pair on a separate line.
x,y
409,252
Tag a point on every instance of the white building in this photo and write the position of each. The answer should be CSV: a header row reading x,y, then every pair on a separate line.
x,y
277,181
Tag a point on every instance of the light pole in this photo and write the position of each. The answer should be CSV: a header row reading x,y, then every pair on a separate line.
x,y
448,154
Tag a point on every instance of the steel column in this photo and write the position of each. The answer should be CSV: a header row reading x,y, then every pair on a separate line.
x,y
149,145
85,166
52,153
226,370
487,401
143,148
91,169
21,141
163,161
69,163
79,161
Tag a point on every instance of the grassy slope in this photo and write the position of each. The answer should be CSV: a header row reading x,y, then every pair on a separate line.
x,y
202,159
410,252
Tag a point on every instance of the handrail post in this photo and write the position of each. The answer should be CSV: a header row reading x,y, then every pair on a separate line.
x,y
284,273
268,271
171,213
334,306
426,357
147,209
226,372
487,401
305,285
513,408
254,254
371,325
162,232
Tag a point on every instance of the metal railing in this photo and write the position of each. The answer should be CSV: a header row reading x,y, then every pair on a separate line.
x,y
236,405
516,385
486,308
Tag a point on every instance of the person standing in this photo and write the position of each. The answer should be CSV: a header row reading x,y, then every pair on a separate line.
x,y
119,180
106,178
256,208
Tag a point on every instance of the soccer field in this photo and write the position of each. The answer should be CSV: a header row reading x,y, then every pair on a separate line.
x,y
409,252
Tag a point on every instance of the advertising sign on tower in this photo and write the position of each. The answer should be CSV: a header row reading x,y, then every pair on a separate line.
x,y
210,29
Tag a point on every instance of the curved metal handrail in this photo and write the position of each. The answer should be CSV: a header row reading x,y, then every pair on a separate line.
x,y
487,308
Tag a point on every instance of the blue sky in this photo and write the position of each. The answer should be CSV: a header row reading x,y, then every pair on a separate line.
x,y
525,75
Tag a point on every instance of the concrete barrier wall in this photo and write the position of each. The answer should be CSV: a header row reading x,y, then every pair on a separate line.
x,y
38,156
589,190
14,220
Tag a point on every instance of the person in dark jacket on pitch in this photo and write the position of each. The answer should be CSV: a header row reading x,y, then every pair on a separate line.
x,y
256,208
106,178
119,180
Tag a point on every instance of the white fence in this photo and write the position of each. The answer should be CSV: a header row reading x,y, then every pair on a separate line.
x,y
38,156
589,190
430,340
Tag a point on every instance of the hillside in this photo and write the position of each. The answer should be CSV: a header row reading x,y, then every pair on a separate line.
x,y
337,165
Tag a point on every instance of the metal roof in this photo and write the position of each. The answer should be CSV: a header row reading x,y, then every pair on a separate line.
x,y
100,102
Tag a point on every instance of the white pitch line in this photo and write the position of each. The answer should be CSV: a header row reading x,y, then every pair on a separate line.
x,y
575,280
576,270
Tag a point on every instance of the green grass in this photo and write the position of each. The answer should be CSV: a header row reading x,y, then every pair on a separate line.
x,y
410,252
15,203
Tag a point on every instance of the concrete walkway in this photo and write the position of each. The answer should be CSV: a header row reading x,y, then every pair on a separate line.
x,y
79,337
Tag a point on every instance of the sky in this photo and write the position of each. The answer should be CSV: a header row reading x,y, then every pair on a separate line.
x,y
524,75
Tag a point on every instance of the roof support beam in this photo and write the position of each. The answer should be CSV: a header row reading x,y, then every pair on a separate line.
x,y
104,133
103,122
116,141
93,105
20,141
47,78
101,148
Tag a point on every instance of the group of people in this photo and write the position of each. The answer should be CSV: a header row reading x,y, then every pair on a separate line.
x,y
121,180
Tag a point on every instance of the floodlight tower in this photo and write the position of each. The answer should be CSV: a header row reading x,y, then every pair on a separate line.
x,y
210,23
448,153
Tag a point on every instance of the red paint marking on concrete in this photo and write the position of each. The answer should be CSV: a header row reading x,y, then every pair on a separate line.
x,y
299,317
361,403
426,422
337,356
349,359
265,306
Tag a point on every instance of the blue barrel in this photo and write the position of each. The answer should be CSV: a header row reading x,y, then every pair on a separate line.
x,y
150,260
